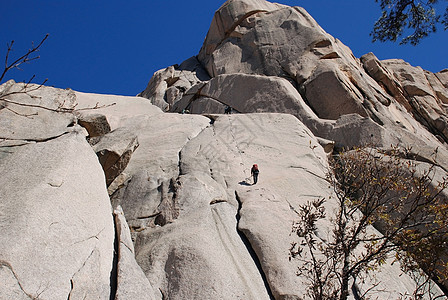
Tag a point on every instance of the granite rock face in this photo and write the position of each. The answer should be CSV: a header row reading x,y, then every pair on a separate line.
x,y
266,57
443,77
425,93
286,42
58,232
167,86
131,281
114,151
192,225
151,197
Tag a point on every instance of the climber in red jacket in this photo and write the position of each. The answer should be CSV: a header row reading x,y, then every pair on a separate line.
x,y
254,171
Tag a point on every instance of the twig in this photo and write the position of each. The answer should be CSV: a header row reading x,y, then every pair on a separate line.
x,y
22,115
59,109
22,59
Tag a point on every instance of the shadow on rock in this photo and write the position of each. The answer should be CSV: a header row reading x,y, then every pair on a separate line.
x,y
244,182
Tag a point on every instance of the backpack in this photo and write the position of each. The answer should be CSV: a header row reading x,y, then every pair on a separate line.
x,y
255,169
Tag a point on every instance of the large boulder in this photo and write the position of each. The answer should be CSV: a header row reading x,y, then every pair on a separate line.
x,y
229,16
30,112
114,151
246,227
131,281
58,235
287,42
58,238
95,124
443,77
169,85
426,94
258,53
244,94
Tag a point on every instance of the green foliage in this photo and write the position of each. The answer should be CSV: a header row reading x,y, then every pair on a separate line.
x,y
420,17
402,200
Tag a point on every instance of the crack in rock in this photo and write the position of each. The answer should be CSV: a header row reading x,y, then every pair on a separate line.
x,y
308,171
8,265
250,249
91,237
43,140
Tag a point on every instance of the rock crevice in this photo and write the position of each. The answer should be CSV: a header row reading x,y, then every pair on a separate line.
x,y
251,250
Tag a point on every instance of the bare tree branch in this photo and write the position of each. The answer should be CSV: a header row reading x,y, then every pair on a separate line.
x,y
27,57
28,88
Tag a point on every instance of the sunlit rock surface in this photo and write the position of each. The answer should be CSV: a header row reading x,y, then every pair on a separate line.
x,y
150,197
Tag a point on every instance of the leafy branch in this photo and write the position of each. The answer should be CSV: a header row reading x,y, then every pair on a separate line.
x,y
417,15
404,202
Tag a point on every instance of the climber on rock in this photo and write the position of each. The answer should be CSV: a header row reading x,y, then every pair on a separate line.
x,y
228,110
254,171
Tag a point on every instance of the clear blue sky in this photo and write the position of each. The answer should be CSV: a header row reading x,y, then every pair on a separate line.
x,y
114,47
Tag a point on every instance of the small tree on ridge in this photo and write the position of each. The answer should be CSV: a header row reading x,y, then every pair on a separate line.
x,y
405,204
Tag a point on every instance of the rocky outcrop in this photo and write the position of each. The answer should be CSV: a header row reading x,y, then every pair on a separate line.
x,y
115,197
265,57
245,93
443,77
95,124
57,230
131,281
24,108
168,86
286,42
200,229
114,151
58,233
425,93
